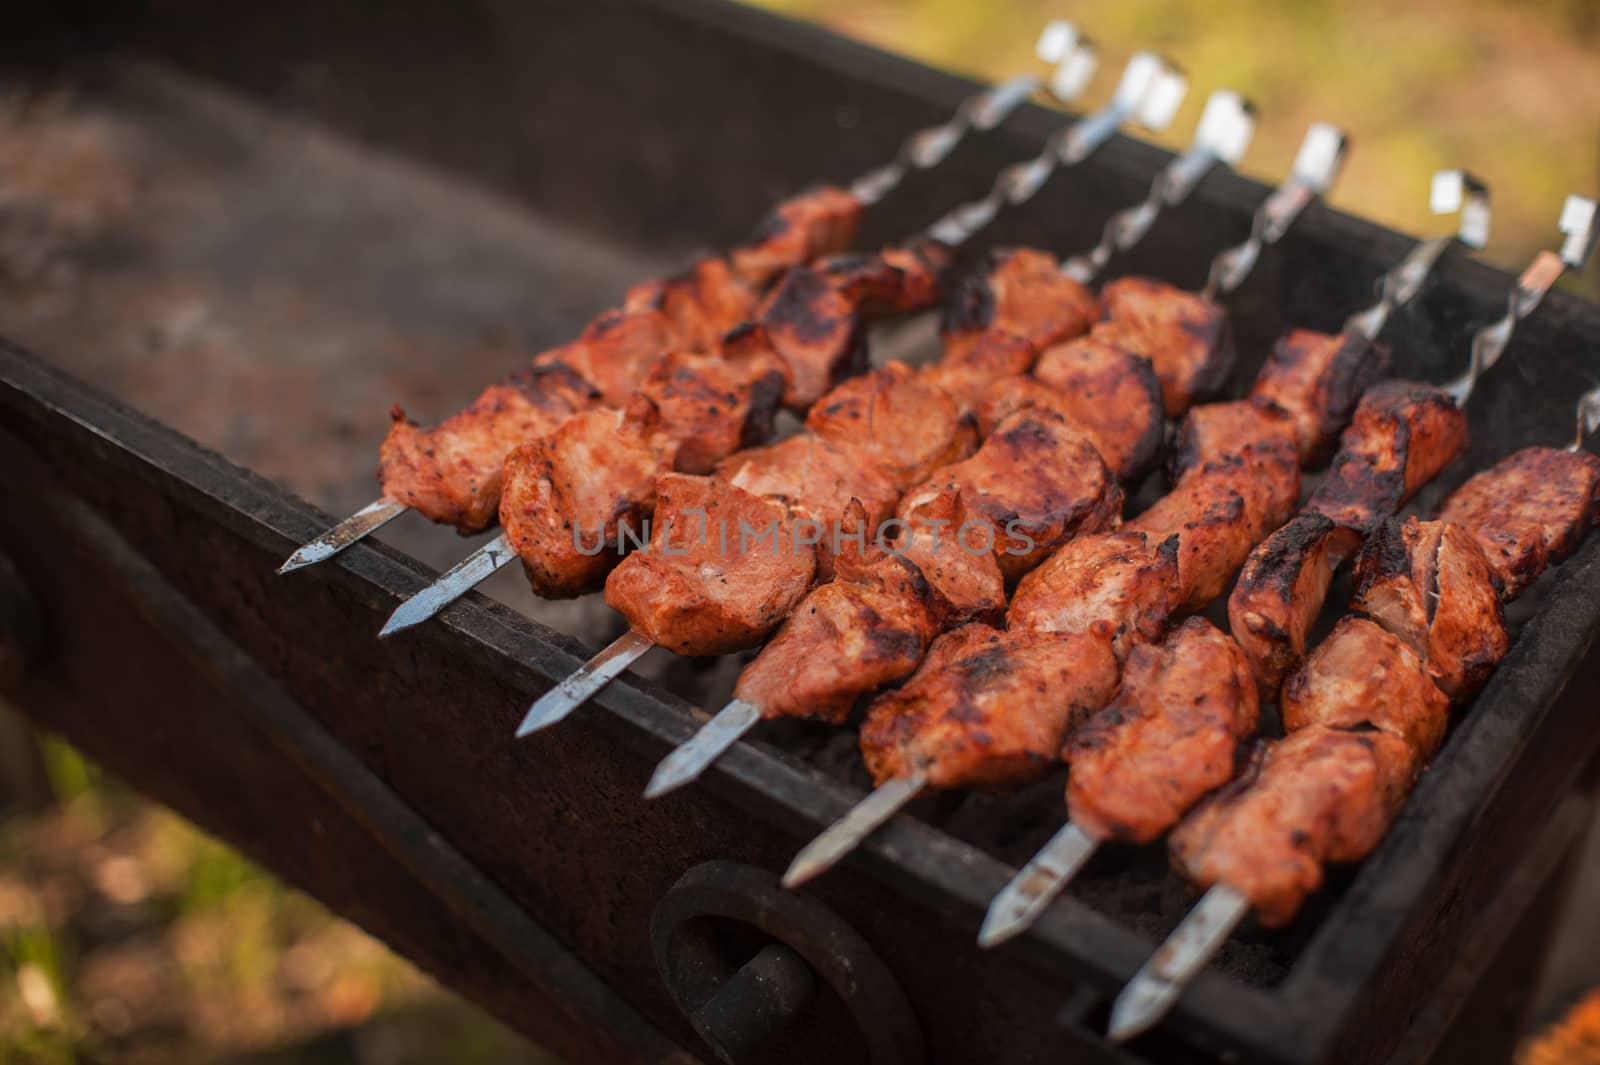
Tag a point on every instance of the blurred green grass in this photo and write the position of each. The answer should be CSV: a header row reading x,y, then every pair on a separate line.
x,y
1510,91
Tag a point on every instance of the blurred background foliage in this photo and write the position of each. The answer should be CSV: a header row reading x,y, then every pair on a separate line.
x,y
1510,91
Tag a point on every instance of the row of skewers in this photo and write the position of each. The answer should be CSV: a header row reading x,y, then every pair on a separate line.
x,y
954,532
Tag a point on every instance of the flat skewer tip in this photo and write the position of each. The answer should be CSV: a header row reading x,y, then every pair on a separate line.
x,y
1158,984
1036,885
584,682
691,758
451,585
846,834
362,523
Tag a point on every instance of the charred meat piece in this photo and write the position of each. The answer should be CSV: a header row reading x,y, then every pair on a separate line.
x,y
964,585
1103,389
1170,736
819,221
815,480
866,628
1281,591
1320,795
894,281
1317,380
1528,511
615,351
893,420
713,405
1033,484
569,495
721,571
701,304
1402,435
1021,292
1185,337
987,707
972,362
1217,432
1364,677
1116,585
451,472
1428,583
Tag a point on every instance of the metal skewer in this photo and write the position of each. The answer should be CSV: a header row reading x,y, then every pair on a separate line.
x,y
842,837
1149,93
1026,897
1186,952
1490,342
1069,53
1224,132
456,581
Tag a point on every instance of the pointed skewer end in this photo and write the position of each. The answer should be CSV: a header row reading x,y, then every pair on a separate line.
x,y
1036,885
694,756
846,834
1140,1008
559,702
369,519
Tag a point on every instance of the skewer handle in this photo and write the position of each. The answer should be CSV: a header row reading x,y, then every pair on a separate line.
x,y
1453,192
1316,166
1060,45
1222,136
1490,342
1149,93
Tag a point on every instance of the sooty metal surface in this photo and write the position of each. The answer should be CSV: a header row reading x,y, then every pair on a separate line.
x,y
264,229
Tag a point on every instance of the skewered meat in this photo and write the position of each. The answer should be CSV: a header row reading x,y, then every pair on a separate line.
x,y
973,362
867,627
1021,292
1364,677
1033,484
1320,795
1103,389
987,707
1317,380
1557,496
1168,737
963,585
712,405
895,422
816,222
1428,583
1402,435
451,472
698,305
1185,336
1281,591
598,467
722,568
1117,585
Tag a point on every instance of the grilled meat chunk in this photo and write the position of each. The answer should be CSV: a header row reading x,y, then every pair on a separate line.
x,y
1116,585
964,585
700,304
451,472
1170,736
1021,292
1402,435
1364,677
1281,590
1320,795
1103,389
896,280
972,362
866,628
1033,484
987,707
569,495
614,352
1556,497
722,569
1317,380
895,422
819,221
1185,336
1428,583
712,405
